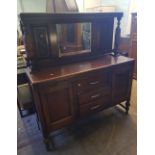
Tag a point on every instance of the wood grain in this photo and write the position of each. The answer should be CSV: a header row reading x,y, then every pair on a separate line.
x,y
74,69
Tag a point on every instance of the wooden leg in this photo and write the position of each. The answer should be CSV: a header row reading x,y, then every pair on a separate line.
x,y
38,124
52,144
127,106
19,108
49,143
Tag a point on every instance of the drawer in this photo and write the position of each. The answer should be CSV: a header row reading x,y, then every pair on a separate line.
x,y
96,105
101,103
94,95
93,81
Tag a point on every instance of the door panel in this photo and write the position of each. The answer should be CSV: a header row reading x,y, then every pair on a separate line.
x,y
57,105
122,78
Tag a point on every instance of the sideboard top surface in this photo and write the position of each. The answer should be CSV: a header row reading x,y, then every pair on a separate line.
x,y
71,70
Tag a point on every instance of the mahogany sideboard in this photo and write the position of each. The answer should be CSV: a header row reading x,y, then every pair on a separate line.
x,y
69,85
66,93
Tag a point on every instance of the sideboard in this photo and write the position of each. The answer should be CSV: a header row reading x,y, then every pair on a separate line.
x,y
69,84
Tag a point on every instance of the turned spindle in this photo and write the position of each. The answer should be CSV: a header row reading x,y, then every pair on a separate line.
x,y
117,37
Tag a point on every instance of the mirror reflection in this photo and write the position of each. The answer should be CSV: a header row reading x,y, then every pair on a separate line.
x,y
73,38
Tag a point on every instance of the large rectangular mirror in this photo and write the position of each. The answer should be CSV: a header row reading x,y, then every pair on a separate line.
x,y
73,38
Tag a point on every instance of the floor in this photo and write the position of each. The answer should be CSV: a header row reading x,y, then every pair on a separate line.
x,y
110,132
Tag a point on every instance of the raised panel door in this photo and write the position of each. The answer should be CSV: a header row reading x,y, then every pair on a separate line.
x,y
57,105
122,78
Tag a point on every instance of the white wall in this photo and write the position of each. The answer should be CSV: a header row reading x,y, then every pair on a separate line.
x,y
30,6
121,6
91,3
132,8
80,4
125,6
19,10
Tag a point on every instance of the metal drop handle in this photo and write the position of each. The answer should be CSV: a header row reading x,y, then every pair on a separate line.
x,y
93,83
95,107
95,96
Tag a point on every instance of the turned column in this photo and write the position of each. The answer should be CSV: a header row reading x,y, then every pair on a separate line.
x,y
117,36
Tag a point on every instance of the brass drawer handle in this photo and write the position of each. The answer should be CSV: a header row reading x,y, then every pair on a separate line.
x,y
95,96
95,107
93,83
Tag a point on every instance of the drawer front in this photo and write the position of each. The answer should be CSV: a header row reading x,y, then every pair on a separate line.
x,y
94,106
93,81
101,103
92,96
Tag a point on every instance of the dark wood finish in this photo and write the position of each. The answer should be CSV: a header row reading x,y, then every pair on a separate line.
x,y
133,42
74,69
57,107
121,83
93,95
66,93
41,41
69,91
40,36
125,44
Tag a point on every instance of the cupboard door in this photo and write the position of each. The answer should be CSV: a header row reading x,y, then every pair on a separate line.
x,y
57,105
122,78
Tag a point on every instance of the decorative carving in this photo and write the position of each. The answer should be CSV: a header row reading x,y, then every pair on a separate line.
x,y
41,41
28,41
102,33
